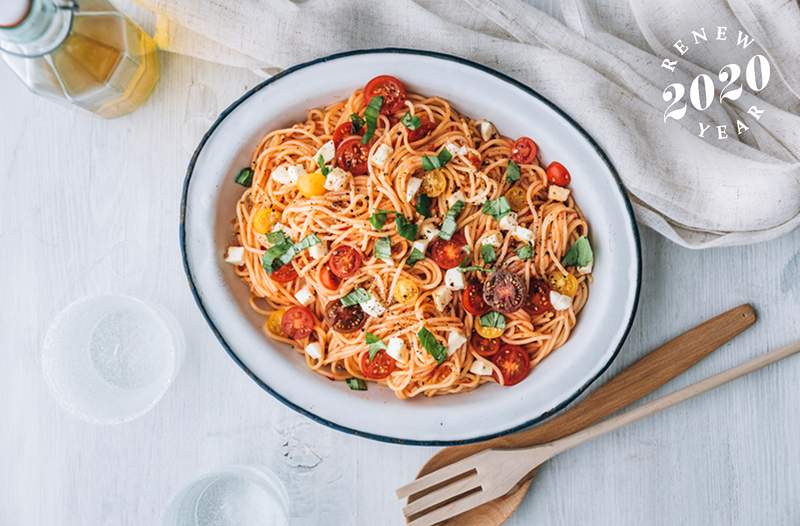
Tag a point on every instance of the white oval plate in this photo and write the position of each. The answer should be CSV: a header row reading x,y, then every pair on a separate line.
x,y
208,203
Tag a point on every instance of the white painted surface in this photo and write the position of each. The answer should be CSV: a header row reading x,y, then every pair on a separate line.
x,y
90,206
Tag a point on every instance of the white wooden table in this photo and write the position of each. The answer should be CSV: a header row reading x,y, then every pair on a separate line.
x,y
90,206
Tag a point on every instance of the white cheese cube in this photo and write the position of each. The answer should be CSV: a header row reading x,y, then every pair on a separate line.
x,y
455,149
429,232
281,174
508,221
234,255
494,240
336,180
319,250
481,368
587,269
557,193
304,296
381,155
454,197
523,234
455,340
327,151
487,130
454,279
394,348
314,350
442,297
412,187
296,171
560,301
373,307
421,245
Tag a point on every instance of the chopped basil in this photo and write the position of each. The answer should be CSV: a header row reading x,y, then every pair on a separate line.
x,y
356,123
356,384
405,228
355,297
244,177
496,208
473,267
411,122
430,162
414,256
371,115
374,344
512,172
579,254
525,251
321,163
493,319
423,205
271,259
277,237
432,345
487,254
449,222
378,219
383,248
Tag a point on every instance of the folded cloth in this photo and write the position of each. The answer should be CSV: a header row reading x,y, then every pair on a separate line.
x,y
604,65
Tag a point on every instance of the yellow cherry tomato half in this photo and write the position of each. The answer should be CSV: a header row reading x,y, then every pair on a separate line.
x,y
273,324
264,219
406,291
490,333
433,183
516,198
565,284
311,184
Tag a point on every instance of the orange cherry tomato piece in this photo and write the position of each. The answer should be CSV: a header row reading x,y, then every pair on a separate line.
x,y
297,322
328,278
391,89
379,367
524,151
345,261
558,174
283,274
513,362
352,156
484,346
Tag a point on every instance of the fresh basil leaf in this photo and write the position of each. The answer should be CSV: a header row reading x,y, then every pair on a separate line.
x,y
580,254
497,208
378,219
322,168
493,319
277,237
371,116
374,344
295,249
444,156
356,123
525,251
423,205
383,248
487,254
430,162
432,345
475,268
244,177
355,297
512,172
356,384
405,228
415,256
412,122
271,259
449,222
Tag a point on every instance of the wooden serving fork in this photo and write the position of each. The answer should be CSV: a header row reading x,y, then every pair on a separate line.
x,y
492,473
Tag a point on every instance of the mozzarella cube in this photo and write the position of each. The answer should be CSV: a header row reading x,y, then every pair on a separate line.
x,y
381,155
494,240
454,279
336,180
455,149
304,296
557,193
412,187
455,340
327,151
234,255
508,221
394,348
487,130
523,234
295,172
587,269
560,301
314,350
280,174
442,297
455,197
421,245
373,307
429,232
481,368
317,251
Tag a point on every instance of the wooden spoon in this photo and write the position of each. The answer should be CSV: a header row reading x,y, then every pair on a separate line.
x,y
638,380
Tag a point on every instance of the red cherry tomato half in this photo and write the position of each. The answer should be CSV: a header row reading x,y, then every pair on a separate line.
x,y
524,151
351,155
424,128
283,274
513,362
342,132
484,346
557,174
448,253
328,278
381,365
345,261
391,89
538,298
472,298
297,323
